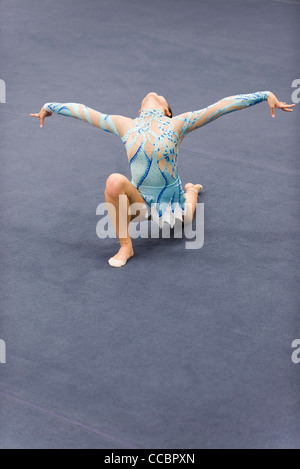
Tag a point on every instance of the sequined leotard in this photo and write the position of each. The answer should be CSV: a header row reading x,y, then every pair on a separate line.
x,y
152,143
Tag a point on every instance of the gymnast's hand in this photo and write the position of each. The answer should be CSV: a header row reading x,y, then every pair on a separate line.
x,y
41,115
273,103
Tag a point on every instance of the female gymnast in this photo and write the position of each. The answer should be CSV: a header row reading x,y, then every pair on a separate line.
x,y
152,141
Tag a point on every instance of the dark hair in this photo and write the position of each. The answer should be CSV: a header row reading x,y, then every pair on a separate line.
x,y
170,110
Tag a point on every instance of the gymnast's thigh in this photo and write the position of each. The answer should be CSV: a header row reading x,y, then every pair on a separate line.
x,y
133,194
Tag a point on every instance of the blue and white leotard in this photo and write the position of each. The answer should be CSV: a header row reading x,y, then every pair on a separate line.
x,y
152,143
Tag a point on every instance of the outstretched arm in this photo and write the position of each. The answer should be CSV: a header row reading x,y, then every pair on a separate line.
x,y
195,119
114,124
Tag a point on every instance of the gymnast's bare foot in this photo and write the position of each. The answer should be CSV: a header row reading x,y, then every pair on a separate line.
x,y
191,196
194,187
125,252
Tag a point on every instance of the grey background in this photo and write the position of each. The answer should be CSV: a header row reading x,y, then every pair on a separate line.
x,y
181,348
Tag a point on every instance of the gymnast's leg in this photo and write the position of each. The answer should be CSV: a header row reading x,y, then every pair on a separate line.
x,y
191,197
116,185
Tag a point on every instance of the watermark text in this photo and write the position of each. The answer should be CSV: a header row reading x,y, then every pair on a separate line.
x,y
2,92
2,351
296,93
113,219
296,352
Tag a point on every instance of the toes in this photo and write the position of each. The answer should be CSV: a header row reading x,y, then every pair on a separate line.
x,y
116,262
198,187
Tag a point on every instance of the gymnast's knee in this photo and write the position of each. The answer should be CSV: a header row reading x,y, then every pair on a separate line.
x,y
115,185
